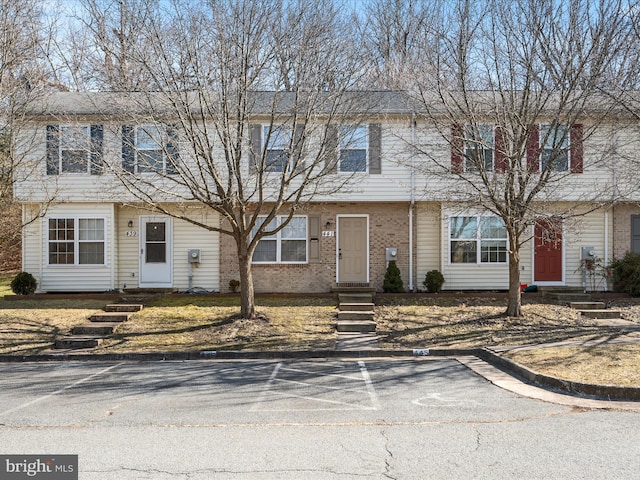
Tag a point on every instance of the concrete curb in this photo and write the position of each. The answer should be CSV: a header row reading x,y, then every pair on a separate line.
x,y
607,392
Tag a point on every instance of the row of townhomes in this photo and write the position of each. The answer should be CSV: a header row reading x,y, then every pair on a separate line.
x,y
89,229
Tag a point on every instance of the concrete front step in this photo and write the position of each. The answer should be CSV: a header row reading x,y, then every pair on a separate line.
x,y
600,313
101,328
124,307
587,305
356,307
109,317
356,326
77,342
355,315
355,298
141,298
569,297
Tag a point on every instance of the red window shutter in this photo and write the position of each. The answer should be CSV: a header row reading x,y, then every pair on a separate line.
x,y
575,148
499,153
533,149
457,149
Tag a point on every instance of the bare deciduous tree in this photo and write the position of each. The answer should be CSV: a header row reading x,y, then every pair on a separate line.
x,y
513,89
392,33
22,79
246,154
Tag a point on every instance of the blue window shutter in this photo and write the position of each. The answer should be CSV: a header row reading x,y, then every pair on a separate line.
x,y
375,148
128,145
53,149
173,156
96,149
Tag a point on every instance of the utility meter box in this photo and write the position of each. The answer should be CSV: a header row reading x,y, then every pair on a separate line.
x,y
194,255
392,253
587,253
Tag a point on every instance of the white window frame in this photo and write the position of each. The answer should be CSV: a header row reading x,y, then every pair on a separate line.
x,y
76,240
86,134
472,143
546,145
282,134
477,239
345,144
278,239
138,150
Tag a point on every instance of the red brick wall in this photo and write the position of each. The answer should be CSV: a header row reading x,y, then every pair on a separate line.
x,y
388,227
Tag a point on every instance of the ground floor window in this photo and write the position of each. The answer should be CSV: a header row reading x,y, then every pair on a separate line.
x,y
76,241
477,239
289,245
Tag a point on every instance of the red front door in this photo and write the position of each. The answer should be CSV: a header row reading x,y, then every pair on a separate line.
x,y
548,251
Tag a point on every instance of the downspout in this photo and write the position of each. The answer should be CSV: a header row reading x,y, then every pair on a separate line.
x,y
606,247
614,200
412,201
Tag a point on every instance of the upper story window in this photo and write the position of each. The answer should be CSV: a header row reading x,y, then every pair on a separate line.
x,y
76,241
478,147
149,148
74,149
477,239
277,142
554,147
353,148
289,245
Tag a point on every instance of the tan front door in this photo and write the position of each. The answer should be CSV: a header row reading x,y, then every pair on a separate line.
x,y
352,250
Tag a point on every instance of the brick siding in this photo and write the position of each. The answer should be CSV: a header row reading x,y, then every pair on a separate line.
x,y
388,227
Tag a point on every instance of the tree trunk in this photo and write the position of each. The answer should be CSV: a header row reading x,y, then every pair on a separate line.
x,y
247,296
514,304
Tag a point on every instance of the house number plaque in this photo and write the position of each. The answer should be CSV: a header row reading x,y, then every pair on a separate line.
x,y
328,233
131,233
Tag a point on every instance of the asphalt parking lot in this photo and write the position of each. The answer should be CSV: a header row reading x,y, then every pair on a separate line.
x,y
360,418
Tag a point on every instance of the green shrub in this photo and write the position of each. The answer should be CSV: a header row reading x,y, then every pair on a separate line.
x,y
392,279
626,274
24,284
433,281
234,285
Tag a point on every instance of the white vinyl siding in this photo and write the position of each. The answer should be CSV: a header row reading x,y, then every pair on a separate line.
x,y
186,236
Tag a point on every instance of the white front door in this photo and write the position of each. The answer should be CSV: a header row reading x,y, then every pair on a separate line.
x,y
155,252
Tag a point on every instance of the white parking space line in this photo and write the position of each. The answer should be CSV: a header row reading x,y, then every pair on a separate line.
x,y
312,388
68,387
272,378
367,381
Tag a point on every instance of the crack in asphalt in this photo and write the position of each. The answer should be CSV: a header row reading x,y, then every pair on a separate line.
x,y
388,457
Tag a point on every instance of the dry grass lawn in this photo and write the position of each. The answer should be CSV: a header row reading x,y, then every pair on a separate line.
x,y
212,323
196,323
617,364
